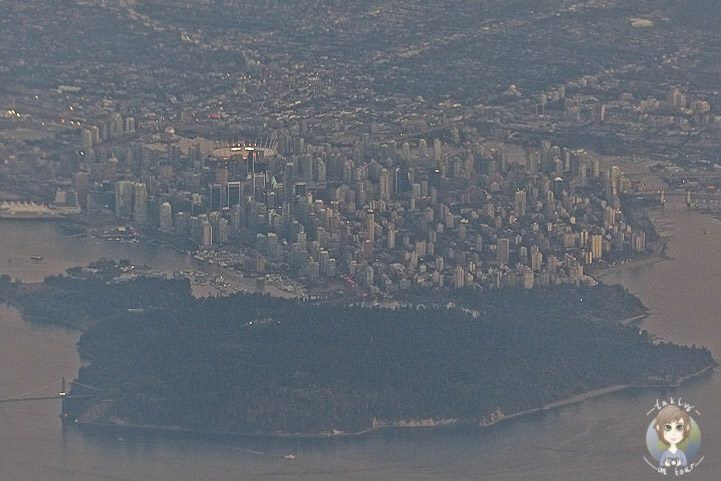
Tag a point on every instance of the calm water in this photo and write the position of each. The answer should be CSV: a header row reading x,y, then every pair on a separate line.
x,y
598,439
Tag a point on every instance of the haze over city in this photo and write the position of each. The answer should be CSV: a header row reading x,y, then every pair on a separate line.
x,y
357,240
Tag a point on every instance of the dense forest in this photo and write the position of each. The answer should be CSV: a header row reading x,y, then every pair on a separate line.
x,y
255,364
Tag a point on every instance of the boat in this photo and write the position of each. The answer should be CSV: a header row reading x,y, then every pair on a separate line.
x,y
36,258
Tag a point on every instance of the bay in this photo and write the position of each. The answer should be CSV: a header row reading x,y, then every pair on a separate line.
x,y
598,439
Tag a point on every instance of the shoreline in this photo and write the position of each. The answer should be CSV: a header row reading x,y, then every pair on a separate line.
x,y
440,424
601,272
574,399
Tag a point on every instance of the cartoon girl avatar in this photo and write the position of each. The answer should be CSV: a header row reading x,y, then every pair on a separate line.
x,y
673,427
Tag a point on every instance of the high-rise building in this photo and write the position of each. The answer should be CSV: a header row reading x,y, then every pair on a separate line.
x,y
129,125
87,138
597,246
124,199
600,112
532,161
520,203
140,204
95,131
422,148
289,182
405,151
546,157
80,183
536,259
370,225
207,236
320,170
116,126
216,196
437,150
182,223
503,247
368,277
459,277
615,177
222,232
385,184
166,217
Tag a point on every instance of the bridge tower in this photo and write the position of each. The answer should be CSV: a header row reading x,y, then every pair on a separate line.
x,y
63,402
662,198
688,199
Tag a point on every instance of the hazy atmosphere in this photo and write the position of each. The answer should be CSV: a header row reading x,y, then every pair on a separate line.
x,y
359,240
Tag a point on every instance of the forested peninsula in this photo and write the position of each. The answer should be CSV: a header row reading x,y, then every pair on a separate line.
x,y
256,365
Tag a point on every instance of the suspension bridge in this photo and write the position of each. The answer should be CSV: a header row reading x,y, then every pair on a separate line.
x,y
63,394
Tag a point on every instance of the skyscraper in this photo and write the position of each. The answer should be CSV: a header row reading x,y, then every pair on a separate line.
x,y
597,246
437,149
140,204
116,126
289,182
385,184
503,247
123,198
422,148
166,217
520,203
370,225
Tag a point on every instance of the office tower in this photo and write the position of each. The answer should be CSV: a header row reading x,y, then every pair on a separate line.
x,y
124,199
536,258
368,276
80,183
527,278
437,149
234,193
223,231
221,176
503,247
104,131
597,246
370,226
166,217
609,217
532,161
320,170
615,177
520,203
215,194
422,148
95,134
87,138
194,154
116,126
110,172
546,156
583,173
207,233
385,184
140,204
182,223
129,125
306,168
406,151
459,277
289,182
600,112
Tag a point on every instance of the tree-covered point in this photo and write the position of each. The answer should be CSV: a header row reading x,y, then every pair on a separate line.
x,y
255,364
